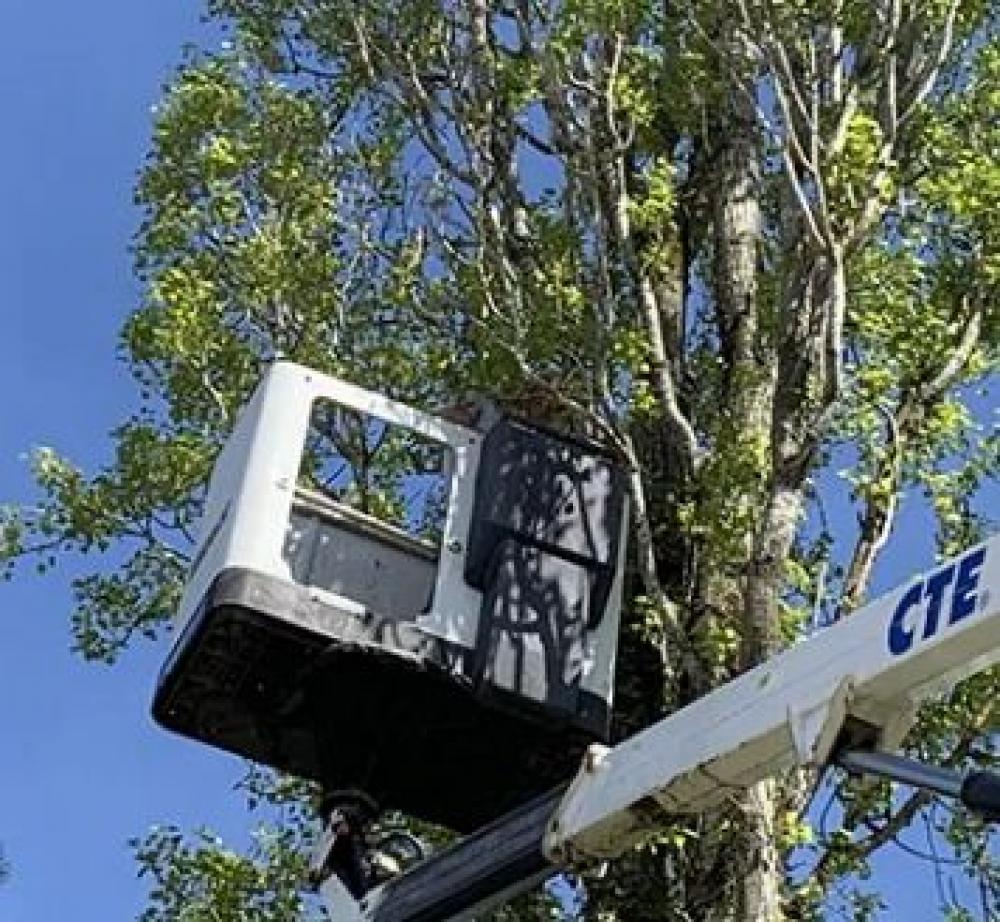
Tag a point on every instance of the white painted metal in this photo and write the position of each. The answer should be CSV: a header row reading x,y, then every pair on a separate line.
x,y
339,903
876,666
253,487
601,645
249,511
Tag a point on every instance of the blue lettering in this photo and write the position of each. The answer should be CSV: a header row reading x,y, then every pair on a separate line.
x,y
901,637
964,581
963,599
936,586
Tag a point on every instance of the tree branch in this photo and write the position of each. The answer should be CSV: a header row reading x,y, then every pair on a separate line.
x,y
960,356
879,517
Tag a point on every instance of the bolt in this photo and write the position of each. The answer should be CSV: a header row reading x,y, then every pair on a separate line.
x,y
592,758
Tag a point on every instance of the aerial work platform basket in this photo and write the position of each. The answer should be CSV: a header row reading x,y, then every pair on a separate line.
x,y
387,601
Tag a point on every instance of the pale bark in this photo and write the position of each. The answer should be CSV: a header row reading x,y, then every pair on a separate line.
x,y
749,394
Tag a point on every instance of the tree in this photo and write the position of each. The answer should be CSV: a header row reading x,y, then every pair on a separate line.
x,y
736,241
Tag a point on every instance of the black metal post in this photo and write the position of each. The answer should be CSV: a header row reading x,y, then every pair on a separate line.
x,y
979,791
481,871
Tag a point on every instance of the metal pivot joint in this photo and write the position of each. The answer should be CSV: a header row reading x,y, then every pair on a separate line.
x,y
342,848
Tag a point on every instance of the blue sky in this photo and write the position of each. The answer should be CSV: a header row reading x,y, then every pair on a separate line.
x,y
82,767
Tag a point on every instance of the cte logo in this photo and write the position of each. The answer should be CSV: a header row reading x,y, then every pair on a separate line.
x,y
928,594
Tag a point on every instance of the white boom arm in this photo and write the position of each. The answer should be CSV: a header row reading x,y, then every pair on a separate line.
x,y
871,670
875,666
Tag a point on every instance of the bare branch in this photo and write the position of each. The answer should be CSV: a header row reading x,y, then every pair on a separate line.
x,y
421,103
645,542
836,314
663,382
961,354
543,147
808,114
879,516
915,92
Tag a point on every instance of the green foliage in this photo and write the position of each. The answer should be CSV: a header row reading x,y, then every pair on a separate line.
x,y
201,880
149,492
854,166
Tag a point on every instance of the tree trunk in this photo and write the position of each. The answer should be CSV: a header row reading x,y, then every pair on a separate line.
x,y
749,387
